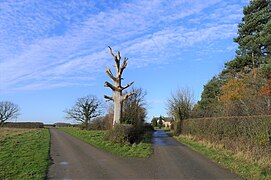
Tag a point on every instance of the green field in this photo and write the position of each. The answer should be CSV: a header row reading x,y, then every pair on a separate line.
x,y
9,132
23,153
236,163
96,138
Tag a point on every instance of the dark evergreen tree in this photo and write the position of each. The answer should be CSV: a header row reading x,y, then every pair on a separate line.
x,y
209,105
254,39
154,122
160,122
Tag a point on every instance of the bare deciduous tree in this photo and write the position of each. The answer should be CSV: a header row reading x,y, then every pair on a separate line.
x,y
84,110
117,88
180,105
8,110
134,108
108,118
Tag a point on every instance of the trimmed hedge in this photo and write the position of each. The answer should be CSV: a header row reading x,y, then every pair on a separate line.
x,y
250,135
23,125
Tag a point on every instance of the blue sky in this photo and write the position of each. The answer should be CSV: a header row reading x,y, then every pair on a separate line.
x,y
53,52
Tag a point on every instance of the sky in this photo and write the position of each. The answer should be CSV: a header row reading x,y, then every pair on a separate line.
x,y
55,51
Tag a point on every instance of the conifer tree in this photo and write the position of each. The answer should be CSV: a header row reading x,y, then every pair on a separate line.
x,y
254,38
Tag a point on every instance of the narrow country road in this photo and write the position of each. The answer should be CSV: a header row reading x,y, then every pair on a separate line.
x,y
74,159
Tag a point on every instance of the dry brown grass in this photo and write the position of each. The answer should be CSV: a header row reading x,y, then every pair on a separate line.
x,y
243,165
9,132
239,154
249,136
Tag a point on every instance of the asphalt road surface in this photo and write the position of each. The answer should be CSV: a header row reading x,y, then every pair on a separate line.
x,y
74,159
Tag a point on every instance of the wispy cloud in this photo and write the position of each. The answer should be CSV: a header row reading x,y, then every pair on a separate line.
x,y
53,44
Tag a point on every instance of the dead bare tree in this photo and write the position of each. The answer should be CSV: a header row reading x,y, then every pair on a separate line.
x,y
117,88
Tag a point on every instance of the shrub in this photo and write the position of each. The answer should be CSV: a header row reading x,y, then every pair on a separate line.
x,y
176,126
146,137
154,122
24,125
147,127
250,135
125,133
120,133
98,124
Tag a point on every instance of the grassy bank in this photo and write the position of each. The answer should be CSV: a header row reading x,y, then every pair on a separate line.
x,y
10,132
23,153
97,139
235,162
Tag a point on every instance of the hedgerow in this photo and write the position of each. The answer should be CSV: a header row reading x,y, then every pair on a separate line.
x,y
23,125
249,135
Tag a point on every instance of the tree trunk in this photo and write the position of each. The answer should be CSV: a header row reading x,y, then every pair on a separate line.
x,y
86,125
117,107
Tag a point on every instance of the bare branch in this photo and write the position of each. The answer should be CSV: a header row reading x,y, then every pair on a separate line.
x,y
108,98
85,109
107,84
118,56
123,66
127,85
110,74
115,58
111,52
124,97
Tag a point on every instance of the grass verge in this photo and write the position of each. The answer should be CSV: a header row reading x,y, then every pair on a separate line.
x,y
96,138
236,163
24,154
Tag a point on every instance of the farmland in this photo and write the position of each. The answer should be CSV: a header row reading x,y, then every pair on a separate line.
x,y
23,153
9,132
